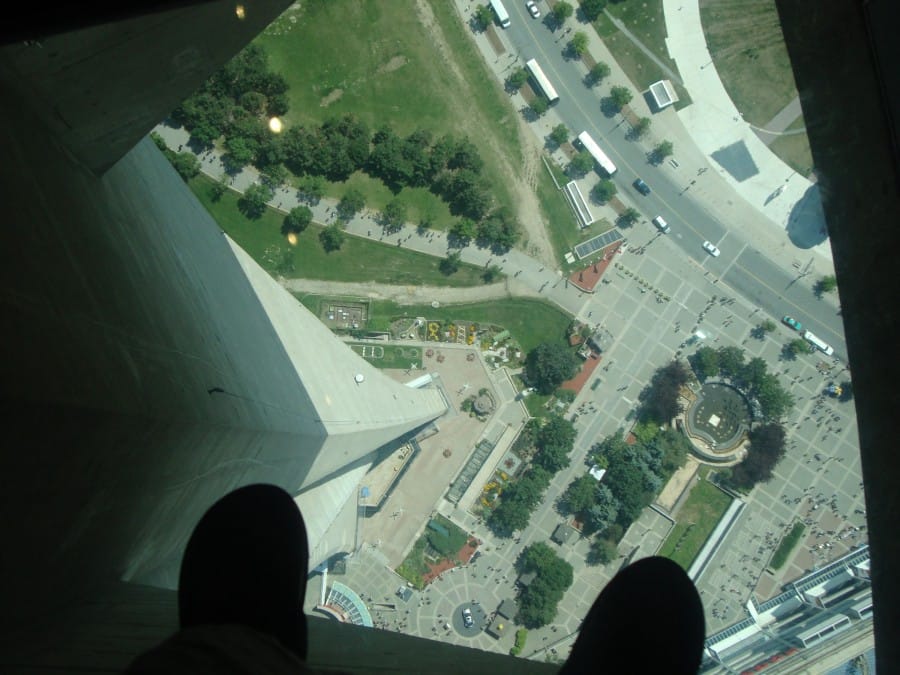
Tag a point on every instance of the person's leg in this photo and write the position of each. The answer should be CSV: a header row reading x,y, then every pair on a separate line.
x,y
246,563
648,619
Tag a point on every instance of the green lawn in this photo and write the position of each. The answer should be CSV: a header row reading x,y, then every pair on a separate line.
x,y
787,545
387,355
696,520
794,149
645,20
358,260
562,228
393,71
749,53
530,322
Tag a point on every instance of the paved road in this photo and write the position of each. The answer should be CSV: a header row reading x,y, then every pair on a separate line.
x,y
741,265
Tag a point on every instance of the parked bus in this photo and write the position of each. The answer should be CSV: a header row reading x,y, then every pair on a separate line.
x,y
541,80
599,156
500,11
816,342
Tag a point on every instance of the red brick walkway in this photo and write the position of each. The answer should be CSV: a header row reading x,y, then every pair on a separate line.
x,y
577,382
588,278
463,555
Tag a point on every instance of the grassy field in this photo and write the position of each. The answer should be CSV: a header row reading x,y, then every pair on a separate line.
x,y
562,227
400,69
749,53
531,322
357,260
794,149
787,545
697,518
646,21
387,355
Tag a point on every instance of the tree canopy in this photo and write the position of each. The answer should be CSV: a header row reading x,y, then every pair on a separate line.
x,y
253,202
659,400
538,601
554,442
603,191
765,451
550,364
297,220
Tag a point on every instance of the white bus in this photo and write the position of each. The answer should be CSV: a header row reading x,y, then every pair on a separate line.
x,y
818,343
599,156
500,11
541,80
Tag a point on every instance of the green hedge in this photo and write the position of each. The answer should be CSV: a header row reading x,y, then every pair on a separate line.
x,y
787,545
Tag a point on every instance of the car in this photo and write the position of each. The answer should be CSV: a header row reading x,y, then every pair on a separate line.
x,y
710,248
792,322
533,9
661,224
641,187
467,617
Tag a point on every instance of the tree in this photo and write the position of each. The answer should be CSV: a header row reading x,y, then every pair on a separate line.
x,y
826,284
219,188
491,274
604,511
394,215
774,400
581,164
660,399
661,151
592,9
483,17
553,576
752,373
554,441
620,97
628,217
760,330
463,231
450,264
846,391
560,134
549,364
603,191
765,451
351,203
311,188
641,127
602,551
516,79
705,362
796,346
187,165
297,220
562,11
580,495
539,105
579,43
239,152
731,361
332,238
598,73
253,202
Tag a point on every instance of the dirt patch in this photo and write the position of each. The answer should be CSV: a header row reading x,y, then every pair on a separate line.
x,y
463,556
333,96
522,183
494,39
394,64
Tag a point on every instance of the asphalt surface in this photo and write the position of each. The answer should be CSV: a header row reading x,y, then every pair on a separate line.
x,y
741,266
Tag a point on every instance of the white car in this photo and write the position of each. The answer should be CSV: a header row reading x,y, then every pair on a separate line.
x,y
710,248
533,9
467,617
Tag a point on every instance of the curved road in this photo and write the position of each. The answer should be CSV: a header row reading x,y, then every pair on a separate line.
x,y
743,267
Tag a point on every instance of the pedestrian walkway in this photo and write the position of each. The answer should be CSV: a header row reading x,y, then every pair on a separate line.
x,y
781,121
411,295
